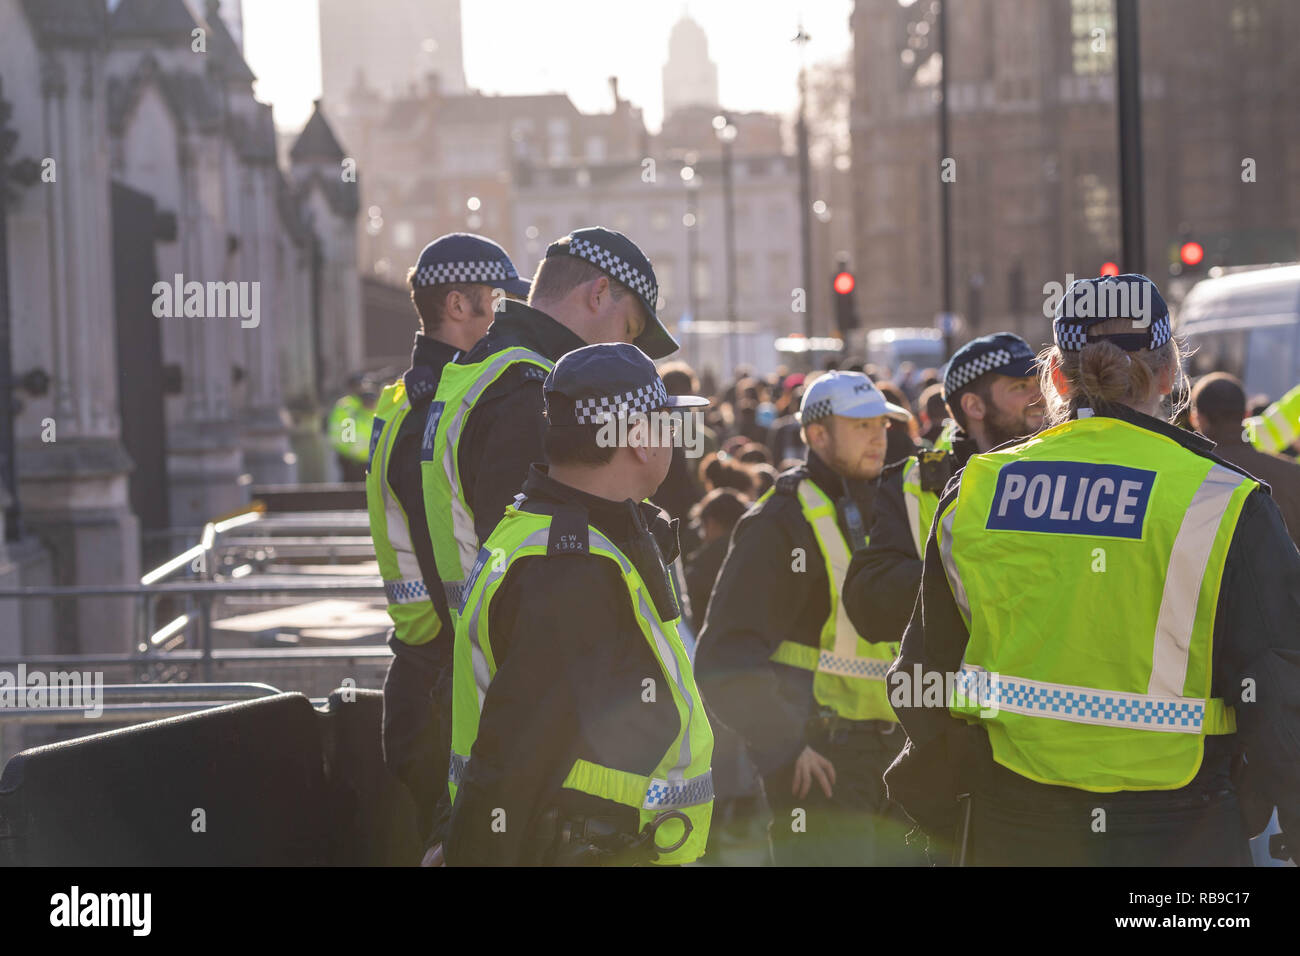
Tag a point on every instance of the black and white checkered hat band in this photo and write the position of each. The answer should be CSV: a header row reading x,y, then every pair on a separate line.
x,y
815,410
484,270
611,264
962,375
1072,336
596,411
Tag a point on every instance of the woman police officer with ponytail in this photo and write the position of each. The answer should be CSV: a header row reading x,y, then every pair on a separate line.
x,y
1115,613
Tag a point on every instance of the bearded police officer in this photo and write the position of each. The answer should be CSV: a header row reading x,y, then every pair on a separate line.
x,y
485,425
453,285
1114,609
991,389
778,659
578,732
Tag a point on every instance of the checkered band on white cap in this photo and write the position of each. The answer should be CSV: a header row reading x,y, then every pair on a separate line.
x,y
959,376
484,270
814,410
624,272
596,411
1073,336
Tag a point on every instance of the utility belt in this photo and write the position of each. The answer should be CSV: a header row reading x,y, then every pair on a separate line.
x,y
828,727
568,839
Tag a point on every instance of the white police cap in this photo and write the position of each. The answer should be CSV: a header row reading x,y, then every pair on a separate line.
x,y
849,394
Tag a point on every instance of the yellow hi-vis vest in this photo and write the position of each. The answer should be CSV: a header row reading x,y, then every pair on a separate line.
x,y
1277,429
848,671
683,779
415,621
450,518
1089,589
921,504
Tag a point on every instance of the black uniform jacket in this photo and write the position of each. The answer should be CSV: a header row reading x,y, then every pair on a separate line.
x,y
1256,636
772,588
884,579
571,665
428,358
505,431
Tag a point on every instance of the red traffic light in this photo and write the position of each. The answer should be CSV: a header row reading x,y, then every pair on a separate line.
x,y
1191,253
1110,269
844,283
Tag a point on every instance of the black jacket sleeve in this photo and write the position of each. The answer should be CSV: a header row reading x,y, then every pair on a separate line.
x,y
760,599
404,476
881,586
937,760
532,714
1257,659
504,435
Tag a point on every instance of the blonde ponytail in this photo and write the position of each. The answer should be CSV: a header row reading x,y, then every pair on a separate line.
x,y
1103,374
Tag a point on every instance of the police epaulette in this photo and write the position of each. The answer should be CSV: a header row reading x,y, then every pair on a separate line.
x,y
420,382
569,532
529,371
787,483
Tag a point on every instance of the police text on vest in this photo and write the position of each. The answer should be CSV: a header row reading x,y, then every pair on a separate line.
x,y
1071,497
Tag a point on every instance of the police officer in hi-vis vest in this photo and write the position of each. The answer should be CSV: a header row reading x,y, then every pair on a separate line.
x,y
578,731
778,659
453,287
1115,610
485,425
991,389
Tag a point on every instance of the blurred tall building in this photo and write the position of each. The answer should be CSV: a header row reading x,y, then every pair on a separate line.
x,y
389,46
690,77
1034,144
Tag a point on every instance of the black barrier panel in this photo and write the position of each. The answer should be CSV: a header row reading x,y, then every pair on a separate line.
x,y
242,784
375,812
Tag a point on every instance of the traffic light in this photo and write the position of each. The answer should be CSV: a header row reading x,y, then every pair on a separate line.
x,y
1187,257
1109,269
1191,253
846,314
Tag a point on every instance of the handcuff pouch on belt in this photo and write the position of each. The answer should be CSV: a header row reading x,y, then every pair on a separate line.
x,y
597,841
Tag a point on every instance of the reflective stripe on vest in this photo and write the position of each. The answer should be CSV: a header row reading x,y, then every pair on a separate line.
x,y
913,499
450,518
415,621
1104,684
682,780
849,672
976,687
1276,429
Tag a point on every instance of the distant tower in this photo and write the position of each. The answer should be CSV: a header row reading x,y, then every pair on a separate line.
x,y
397,43
690,77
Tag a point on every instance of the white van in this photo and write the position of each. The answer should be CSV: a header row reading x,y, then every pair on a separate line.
x,y
1246,323
890,348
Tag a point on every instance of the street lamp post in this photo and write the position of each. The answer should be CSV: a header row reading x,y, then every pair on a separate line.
x,y
691,179
726,132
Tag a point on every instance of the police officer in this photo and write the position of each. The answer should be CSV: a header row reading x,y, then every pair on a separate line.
x,y
592,746
349,427
1278,428
485,425
991,389
1116,609
780,663
452,288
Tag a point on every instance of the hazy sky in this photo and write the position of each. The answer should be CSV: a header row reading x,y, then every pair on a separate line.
x,y
574,46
